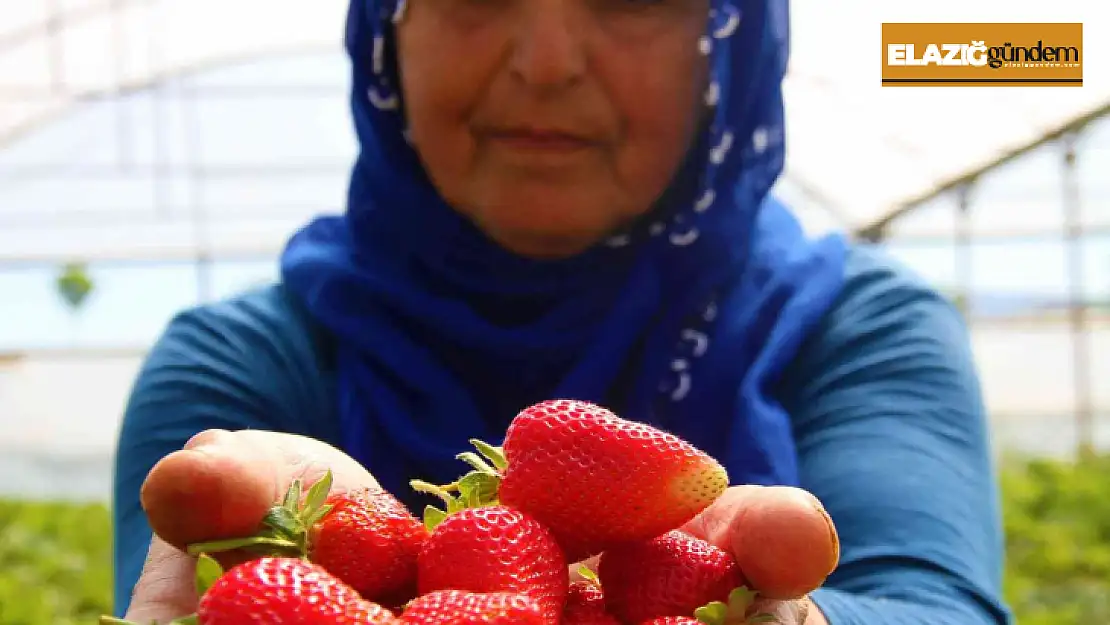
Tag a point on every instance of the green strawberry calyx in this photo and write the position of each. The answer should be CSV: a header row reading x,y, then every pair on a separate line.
x,y
208,571
477,488
734,611
286,527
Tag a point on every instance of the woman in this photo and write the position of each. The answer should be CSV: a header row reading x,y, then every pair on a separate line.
x,y
569,198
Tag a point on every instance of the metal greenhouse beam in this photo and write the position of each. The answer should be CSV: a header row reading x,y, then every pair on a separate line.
x,y
876,230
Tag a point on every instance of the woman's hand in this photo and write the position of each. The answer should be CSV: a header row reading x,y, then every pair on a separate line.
x,y
220,485
784,542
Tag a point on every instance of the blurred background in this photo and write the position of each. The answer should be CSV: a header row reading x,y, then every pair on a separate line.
x,y
155,154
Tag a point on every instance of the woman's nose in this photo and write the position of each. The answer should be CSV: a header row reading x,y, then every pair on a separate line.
x,y
548,50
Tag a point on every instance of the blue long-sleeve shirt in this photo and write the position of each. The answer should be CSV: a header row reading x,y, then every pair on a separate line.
x,y
884,397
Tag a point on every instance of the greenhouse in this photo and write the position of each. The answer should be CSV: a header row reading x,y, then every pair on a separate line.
x,y
155,154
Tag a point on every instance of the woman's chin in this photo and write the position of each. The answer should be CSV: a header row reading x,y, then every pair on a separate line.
x,y
544,229
543,245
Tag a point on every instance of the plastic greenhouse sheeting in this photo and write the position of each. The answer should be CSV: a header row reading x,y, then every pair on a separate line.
x,y
855,150
864,149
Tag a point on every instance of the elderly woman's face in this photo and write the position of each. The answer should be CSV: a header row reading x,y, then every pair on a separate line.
x,y
550,123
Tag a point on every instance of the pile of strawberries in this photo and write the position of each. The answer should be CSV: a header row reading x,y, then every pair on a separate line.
x,y
572,482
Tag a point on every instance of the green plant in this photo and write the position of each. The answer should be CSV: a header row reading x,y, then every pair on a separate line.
x,y
1057,521
74,284
55,563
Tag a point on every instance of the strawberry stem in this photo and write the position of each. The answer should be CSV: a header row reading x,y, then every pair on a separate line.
x,y
230,544
286,526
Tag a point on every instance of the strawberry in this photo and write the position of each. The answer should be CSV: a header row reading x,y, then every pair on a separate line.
x,y
495,549
673,620
276,591
371,541
460,607
366,538
595,479
670,575
586,603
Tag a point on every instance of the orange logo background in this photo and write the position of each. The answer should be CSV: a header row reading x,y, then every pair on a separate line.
x,y
993,55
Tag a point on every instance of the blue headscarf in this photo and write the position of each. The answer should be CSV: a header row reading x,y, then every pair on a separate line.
x,y
682,321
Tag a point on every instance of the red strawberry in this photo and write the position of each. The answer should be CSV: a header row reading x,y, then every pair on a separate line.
x,y
366,538
586,605
371,541
459,607
285,591
495,549
594,478
673,620
276,591
671,575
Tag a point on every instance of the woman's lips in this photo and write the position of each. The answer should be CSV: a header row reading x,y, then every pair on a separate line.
x,y
540,141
